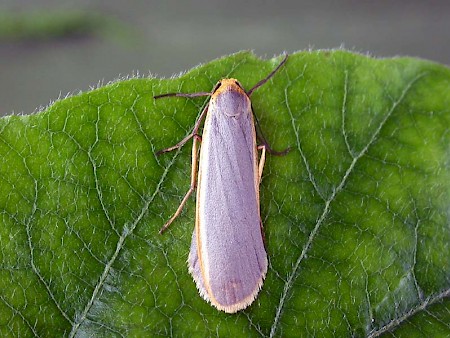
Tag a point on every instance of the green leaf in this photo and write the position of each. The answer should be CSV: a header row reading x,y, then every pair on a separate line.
x,y
356,216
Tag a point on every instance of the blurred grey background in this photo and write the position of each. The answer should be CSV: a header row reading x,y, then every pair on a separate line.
x,y
49,48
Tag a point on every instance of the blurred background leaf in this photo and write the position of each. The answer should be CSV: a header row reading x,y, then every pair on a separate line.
x,y
167,37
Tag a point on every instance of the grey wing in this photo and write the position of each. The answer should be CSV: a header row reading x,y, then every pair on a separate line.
x,y
231,245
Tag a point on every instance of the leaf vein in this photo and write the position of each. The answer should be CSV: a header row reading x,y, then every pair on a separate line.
x,y
297,137
421,306
28,227
344,111
14,310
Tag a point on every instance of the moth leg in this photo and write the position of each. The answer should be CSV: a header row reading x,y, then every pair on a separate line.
x,y
195,144
187,138
262,160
